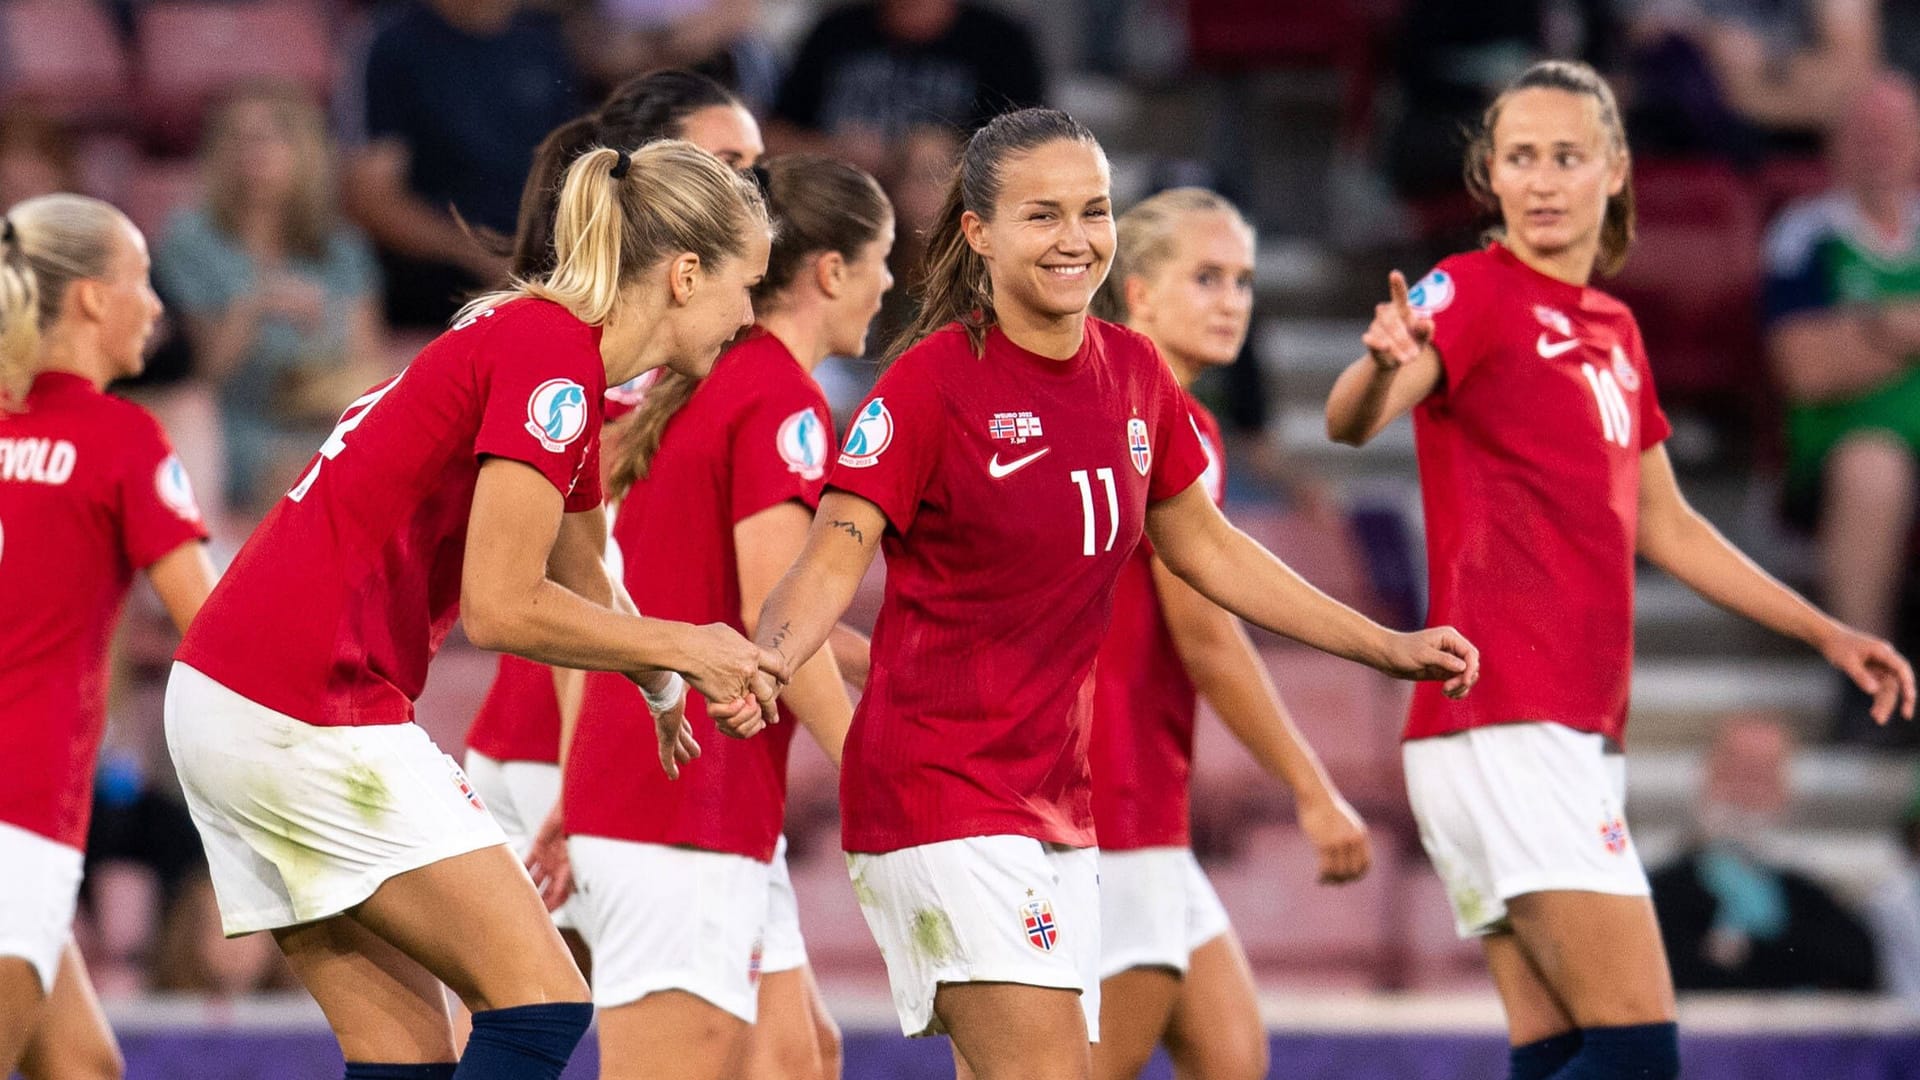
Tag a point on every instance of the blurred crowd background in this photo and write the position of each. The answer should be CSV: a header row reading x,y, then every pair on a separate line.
x,y
312,176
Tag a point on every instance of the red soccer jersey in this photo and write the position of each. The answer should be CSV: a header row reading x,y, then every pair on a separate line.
x,y
1530,475
519,720
1015,487
1143,701
89,493
337,603
755,434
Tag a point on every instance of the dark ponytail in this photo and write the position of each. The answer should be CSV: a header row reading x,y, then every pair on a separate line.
x,y
817,205
643,109
954,286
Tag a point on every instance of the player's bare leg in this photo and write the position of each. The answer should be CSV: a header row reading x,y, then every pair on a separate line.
x,y
1135,1007
463,1020
1216,1032
669,1035
1533,1011
1600,954
793,1037
476,922
382,1005
1011,1031
21,1001
72,1040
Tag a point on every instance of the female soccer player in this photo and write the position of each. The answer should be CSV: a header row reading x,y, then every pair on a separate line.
x,y
90,492
1540,449
717,480
1171,969
466,485
513,745
1008,461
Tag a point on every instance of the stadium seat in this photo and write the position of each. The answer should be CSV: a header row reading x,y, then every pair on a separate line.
x,y
1693,282
63,56
837,937
155,189
1439,958
1297,930
191,51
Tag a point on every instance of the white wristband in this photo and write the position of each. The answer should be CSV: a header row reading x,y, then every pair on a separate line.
x,y
668,698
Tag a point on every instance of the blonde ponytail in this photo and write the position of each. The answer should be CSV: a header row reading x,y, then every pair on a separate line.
x,y
620,213
46,244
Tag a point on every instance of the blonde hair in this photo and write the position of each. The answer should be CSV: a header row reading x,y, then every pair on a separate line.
x,y
1571,77
670,197
46,244
307,220
1147,235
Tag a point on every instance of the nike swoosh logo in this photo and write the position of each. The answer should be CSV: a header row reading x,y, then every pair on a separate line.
x,y
1551,349
997,470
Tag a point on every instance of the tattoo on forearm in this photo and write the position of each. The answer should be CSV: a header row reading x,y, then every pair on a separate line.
x,y
780,637
850,529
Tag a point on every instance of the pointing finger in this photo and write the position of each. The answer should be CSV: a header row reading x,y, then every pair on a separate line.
x,y
1397,286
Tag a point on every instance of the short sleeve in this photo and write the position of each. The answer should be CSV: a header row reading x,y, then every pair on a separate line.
x,y
1795,279
1454,301
780,450
158,511
893,445
544,385
1179,459
1654,425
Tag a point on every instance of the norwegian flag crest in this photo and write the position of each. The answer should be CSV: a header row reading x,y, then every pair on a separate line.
x,y
1614,835
1138,446
1037,917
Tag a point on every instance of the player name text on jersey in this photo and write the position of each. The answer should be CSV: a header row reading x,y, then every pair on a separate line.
x,y
37,461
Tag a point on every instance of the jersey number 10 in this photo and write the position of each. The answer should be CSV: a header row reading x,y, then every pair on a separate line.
x,y
1616,419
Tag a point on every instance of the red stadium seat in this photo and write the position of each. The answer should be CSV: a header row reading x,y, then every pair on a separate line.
x,y
157,188
1296,929
63,56
1440,959
194,50
837,937
1693,282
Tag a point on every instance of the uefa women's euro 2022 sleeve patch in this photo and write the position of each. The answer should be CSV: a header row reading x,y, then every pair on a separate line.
x,y
557,413
802,443
869,437
1432,294
175,490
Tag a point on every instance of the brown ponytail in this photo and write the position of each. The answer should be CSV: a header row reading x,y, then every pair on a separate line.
x,y
1573,77
641,439
953,277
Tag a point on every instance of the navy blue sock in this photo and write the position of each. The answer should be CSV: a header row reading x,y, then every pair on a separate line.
x,y
1541,1060
527,1042
1637,1052
362,1070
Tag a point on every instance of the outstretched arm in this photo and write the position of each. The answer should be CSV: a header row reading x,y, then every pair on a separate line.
x,y
1229,568
768,543
801,611
1399,371
1674,537
1227,671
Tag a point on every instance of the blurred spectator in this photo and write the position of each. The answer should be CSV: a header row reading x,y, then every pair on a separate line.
x,y
1453,58
618,39
36,155
1732,918
1843,333
457,93
872,71
1895,913
1743,78
278,295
